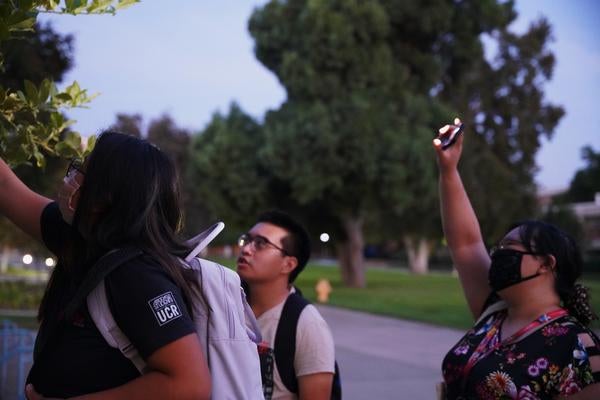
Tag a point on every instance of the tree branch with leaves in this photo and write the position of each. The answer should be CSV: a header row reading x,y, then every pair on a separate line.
x,y
32,123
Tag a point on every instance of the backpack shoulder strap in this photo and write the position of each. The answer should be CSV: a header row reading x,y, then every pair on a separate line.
x,y
99,270
203,239
101,314
104,266
93,291
285,340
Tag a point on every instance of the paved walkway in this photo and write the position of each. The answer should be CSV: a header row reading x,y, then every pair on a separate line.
x,y
387,358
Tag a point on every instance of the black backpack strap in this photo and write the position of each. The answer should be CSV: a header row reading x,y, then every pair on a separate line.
x,y
285,340
104,266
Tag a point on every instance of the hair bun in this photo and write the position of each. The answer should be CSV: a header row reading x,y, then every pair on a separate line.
x,y
578,304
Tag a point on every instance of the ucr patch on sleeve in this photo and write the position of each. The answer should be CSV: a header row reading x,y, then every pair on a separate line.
x,y
165,308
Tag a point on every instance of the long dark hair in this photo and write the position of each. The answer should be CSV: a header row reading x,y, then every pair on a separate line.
x,y
544,238
129,196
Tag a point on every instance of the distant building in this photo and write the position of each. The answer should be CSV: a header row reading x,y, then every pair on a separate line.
x,y
588,214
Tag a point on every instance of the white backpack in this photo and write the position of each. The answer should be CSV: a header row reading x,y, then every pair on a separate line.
x,y
224,321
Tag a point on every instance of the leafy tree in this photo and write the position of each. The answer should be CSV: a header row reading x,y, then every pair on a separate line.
x,y
506,116
31,123
336,139
41,53
224,173
369,82
130,124
586,182
175,141
563,216
36,55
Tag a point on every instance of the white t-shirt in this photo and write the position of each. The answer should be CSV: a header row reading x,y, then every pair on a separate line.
x,y
315,351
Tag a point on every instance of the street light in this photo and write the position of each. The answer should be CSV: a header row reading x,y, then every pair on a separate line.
x,y
324,237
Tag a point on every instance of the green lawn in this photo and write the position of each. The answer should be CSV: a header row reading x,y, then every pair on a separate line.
x,y
435,298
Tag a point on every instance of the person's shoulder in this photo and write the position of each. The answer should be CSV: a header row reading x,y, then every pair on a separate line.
x,y
311,312
137,269
491,311
310,317
568,331
315,348
576,328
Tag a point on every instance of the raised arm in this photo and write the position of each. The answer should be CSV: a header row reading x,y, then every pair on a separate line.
x,y
20,204
461,227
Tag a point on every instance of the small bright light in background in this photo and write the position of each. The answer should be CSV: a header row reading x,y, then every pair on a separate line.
x,y
27,259
50,262
324,237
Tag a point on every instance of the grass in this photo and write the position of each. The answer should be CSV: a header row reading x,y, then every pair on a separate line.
x,y
436,298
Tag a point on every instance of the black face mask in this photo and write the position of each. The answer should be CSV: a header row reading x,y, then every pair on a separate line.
x,y
505,270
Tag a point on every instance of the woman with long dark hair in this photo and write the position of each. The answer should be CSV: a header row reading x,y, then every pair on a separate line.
x,y
531,339
125,193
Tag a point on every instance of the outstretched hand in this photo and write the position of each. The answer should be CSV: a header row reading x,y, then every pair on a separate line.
x,y
31,394
448,158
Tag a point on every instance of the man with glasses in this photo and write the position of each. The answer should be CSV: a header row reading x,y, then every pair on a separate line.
x,y
272,254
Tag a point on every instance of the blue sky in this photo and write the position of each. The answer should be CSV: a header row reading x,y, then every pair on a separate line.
x,y
190,58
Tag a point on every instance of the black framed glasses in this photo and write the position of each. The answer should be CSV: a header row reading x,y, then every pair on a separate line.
x,y
508,251
76,164
259,242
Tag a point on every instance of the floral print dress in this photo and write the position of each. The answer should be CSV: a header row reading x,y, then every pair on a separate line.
x,y
559,357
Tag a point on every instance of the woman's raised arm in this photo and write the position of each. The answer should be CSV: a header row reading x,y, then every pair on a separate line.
x,y
20,204
461,227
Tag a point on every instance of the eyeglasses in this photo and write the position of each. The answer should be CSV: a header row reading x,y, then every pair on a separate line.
x,y
76,164
508,251
260,242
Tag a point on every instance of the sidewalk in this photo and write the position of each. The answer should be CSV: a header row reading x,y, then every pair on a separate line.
x,y
387,358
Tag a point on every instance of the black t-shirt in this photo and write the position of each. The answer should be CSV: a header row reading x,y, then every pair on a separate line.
x,y
77,360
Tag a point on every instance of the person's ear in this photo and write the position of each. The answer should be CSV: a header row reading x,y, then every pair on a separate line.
x,y
74,199
549,262
289,264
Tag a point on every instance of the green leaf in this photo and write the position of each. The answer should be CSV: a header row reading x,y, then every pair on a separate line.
x,y
73,139
99,6
126,3
44,90
73,89
91,142
65,150
75,6
24,25
63,97
39,158
31,92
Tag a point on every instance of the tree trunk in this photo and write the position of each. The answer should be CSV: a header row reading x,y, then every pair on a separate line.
x,y
4,259
418,251
350,254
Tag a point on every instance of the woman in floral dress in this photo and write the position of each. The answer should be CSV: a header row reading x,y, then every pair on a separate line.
x,y
531,339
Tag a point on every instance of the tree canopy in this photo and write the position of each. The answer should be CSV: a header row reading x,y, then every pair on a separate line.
x,y
31,120
368,83
586,182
